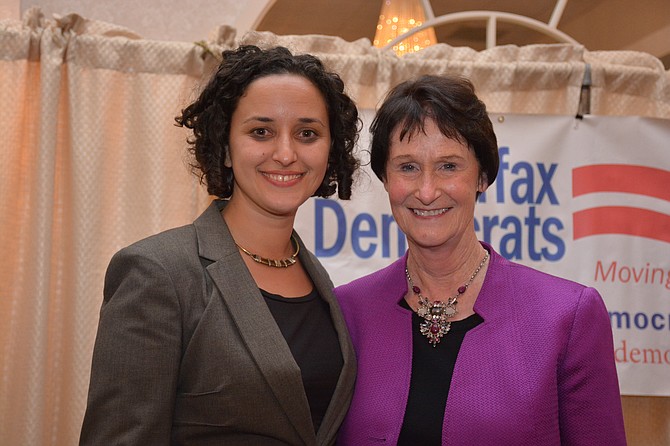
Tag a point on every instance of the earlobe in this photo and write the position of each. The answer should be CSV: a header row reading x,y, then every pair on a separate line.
x,y
483,183
227,162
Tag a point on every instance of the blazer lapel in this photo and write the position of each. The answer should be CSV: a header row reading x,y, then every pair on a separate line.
x,y
261,335
339,403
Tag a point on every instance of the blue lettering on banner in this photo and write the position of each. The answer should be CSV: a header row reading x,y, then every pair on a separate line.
x,y
364,232
522,189
519,233
623,320
341,227
529,185
358,233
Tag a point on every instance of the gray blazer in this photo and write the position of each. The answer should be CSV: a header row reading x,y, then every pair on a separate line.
x,y
187,351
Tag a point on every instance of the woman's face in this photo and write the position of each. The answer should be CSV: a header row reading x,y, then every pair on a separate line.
x,y
432,182
279,144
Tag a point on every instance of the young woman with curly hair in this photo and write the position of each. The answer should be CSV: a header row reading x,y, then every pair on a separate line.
x,y
226,331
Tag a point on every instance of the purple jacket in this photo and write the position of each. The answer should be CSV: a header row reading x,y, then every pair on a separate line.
x,y
538,371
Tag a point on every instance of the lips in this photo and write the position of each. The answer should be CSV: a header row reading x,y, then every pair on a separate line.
x,y
282,178
430,212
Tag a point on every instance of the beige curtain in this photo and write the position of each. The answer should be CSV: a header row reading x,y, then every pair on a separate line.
x,y
92,161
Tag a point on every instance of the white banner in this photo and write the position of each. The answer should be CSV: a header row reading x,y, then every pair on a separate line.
x,y
587,199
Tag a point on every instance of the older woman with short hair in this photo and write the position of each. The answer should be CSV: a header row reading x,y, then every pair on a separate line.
x,y
455,344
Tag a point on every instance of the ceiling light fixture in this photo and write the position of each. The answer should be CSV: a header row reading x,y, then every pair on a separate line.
x,y
399,16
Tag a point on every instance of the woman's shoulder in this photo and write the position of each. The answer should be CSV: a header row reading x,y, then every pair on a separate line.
x,y
388,277
167,246
523,275
547,306
539,290
178,241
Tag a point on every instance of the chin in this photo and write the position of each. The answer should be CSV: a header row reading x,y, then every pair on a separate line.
x,y
429,241
284,209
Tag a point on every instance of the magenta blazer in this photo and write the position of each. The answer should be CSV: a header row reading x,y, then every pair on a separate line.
x,y
538,371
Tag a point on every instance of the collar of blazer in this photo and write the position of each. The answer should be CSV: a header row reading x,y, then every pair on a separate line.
x,y
263,337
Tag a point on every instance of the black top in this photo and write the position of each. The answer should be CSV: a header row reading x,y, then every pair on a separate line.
x,y
432,369
310,334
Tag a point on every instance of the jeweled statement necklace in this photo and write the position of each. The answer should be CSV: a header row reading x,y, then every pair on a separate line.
x,y
438,313
276,263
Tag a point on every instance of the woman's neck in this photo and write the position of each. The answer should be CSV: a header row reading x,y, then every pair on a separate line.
x,y
262,234
447,266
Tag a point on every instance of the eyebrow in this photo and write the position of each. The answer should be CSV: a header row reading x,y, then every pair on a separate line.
x,y
302,120
403,157
400,157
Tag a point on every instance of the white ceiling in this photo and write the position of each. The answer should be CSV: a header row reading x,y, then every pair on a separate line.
x,y
638,25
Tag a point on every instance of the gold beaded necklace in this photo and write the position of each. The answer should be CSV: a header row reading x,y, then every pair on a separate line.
x,y
276,263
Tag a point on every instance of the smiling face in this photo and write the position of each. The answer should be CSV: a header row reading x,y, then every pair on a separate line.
x,y
432,182
279,144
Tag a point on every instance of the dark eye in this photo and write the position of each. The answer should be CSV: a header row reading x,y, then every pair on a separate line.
x,y
449,166
308,134
260,132
407,168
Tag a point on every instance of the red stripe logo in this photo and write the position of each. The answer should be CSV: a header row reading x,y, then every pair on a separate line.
x,y
639,180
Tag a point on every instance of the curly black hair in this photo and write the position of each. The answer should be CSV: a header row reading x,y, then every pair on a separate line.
x,y
451,102
210,114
